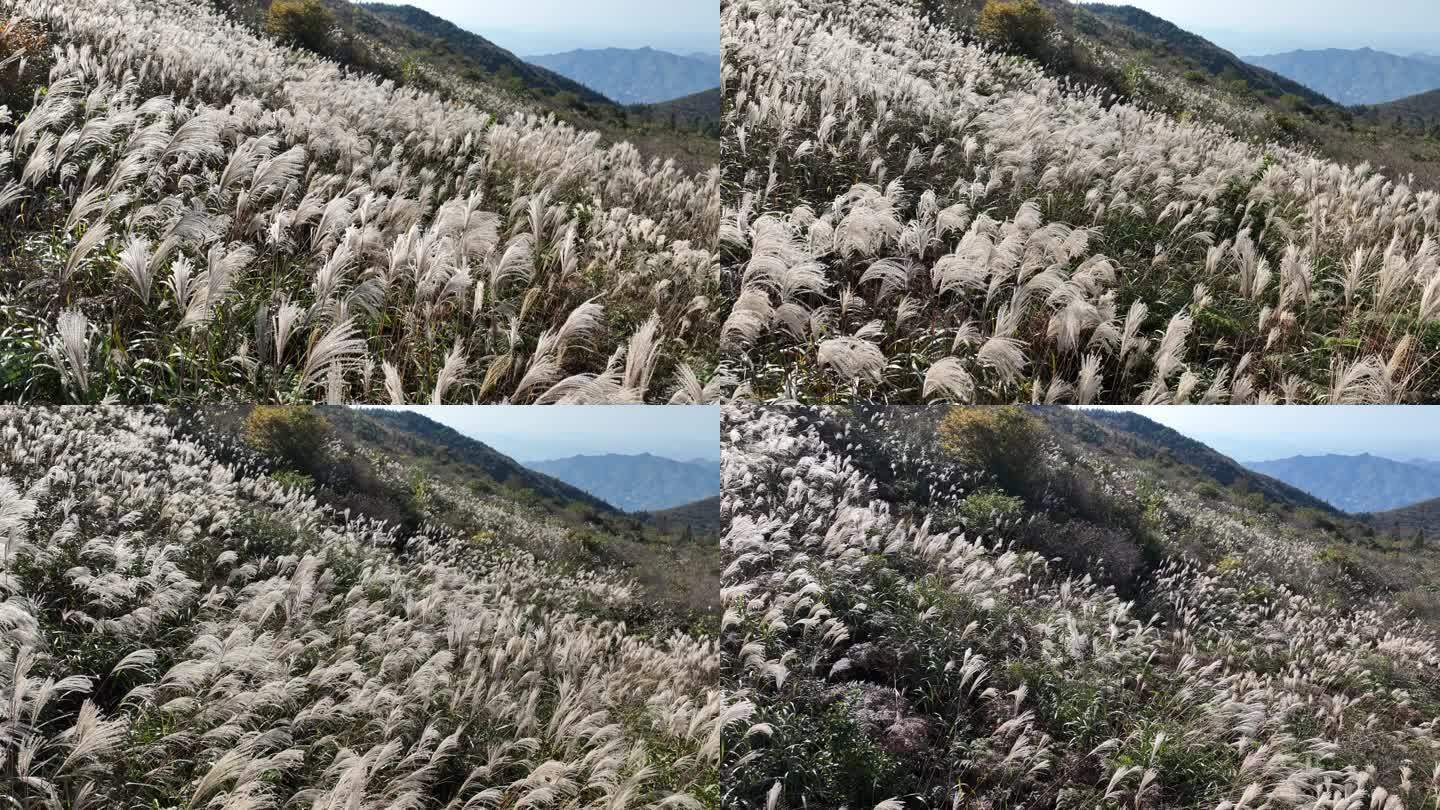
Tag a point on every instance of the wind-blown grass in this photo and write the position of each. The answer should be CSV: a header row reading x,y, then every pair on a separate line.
x,y
237,220
181,631
894,635
903,205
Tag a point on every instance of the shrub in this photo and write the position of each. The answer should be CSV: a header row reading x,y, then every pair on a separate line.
x,y
1017,25
1004,440
306,23
292,435
988,508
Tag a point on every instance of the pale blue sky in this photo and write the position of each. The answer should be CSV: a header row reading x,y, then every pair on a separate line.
x,y
1261,433
537,433
1253,27
529,27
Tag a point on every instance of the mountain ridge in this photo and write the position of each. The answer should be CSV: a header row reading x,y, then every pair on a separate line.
x,y
1360,76
1357,483
634,75
635,482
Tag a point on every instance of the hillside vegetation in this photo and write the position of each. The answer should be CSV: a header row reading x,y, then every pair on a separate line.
x,y
190,619
414,48
930,608
911,214
195,213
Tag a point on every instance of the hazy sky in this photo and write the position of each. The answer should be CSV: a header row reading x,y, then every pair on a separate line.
x,y
545,26
1260,433
1253,27
536,433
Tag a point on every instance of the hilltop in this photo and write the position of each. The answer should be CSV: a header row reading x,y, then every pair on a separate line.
x,y
411,46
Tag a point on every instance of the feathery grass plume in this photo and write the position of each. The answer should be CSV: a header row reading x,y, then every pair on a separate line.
x,y
949,378
72,330
853,359
15,510
690,391
1088,386
135,261
451,373
339,346
641,357
1171,353
92,239
580,325
1003,355
394,388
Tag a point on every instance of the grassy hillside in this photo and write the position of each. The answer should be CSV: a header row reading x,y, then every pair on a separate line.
x,y
464,54
448,454
1039,623
1151,445
1421,519
413,47
188,623
990,225
343,238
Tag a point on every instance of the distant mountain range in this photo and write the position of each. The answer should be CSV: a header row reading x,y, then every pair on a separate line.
x,y
1356,484
1355,77
636,75
641,483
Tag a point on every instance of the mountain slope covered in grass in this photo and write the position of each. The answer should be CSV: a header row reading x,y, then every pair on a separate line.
x,y
307,232
1359,483
634,75
636,483
190,618
912,214
1354,77
962,607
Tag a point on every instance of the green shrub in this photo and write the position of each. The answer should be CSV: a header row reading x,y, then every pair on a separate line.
x,y
988,508
1017,25
294,480
306,23
1004,441
291,434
